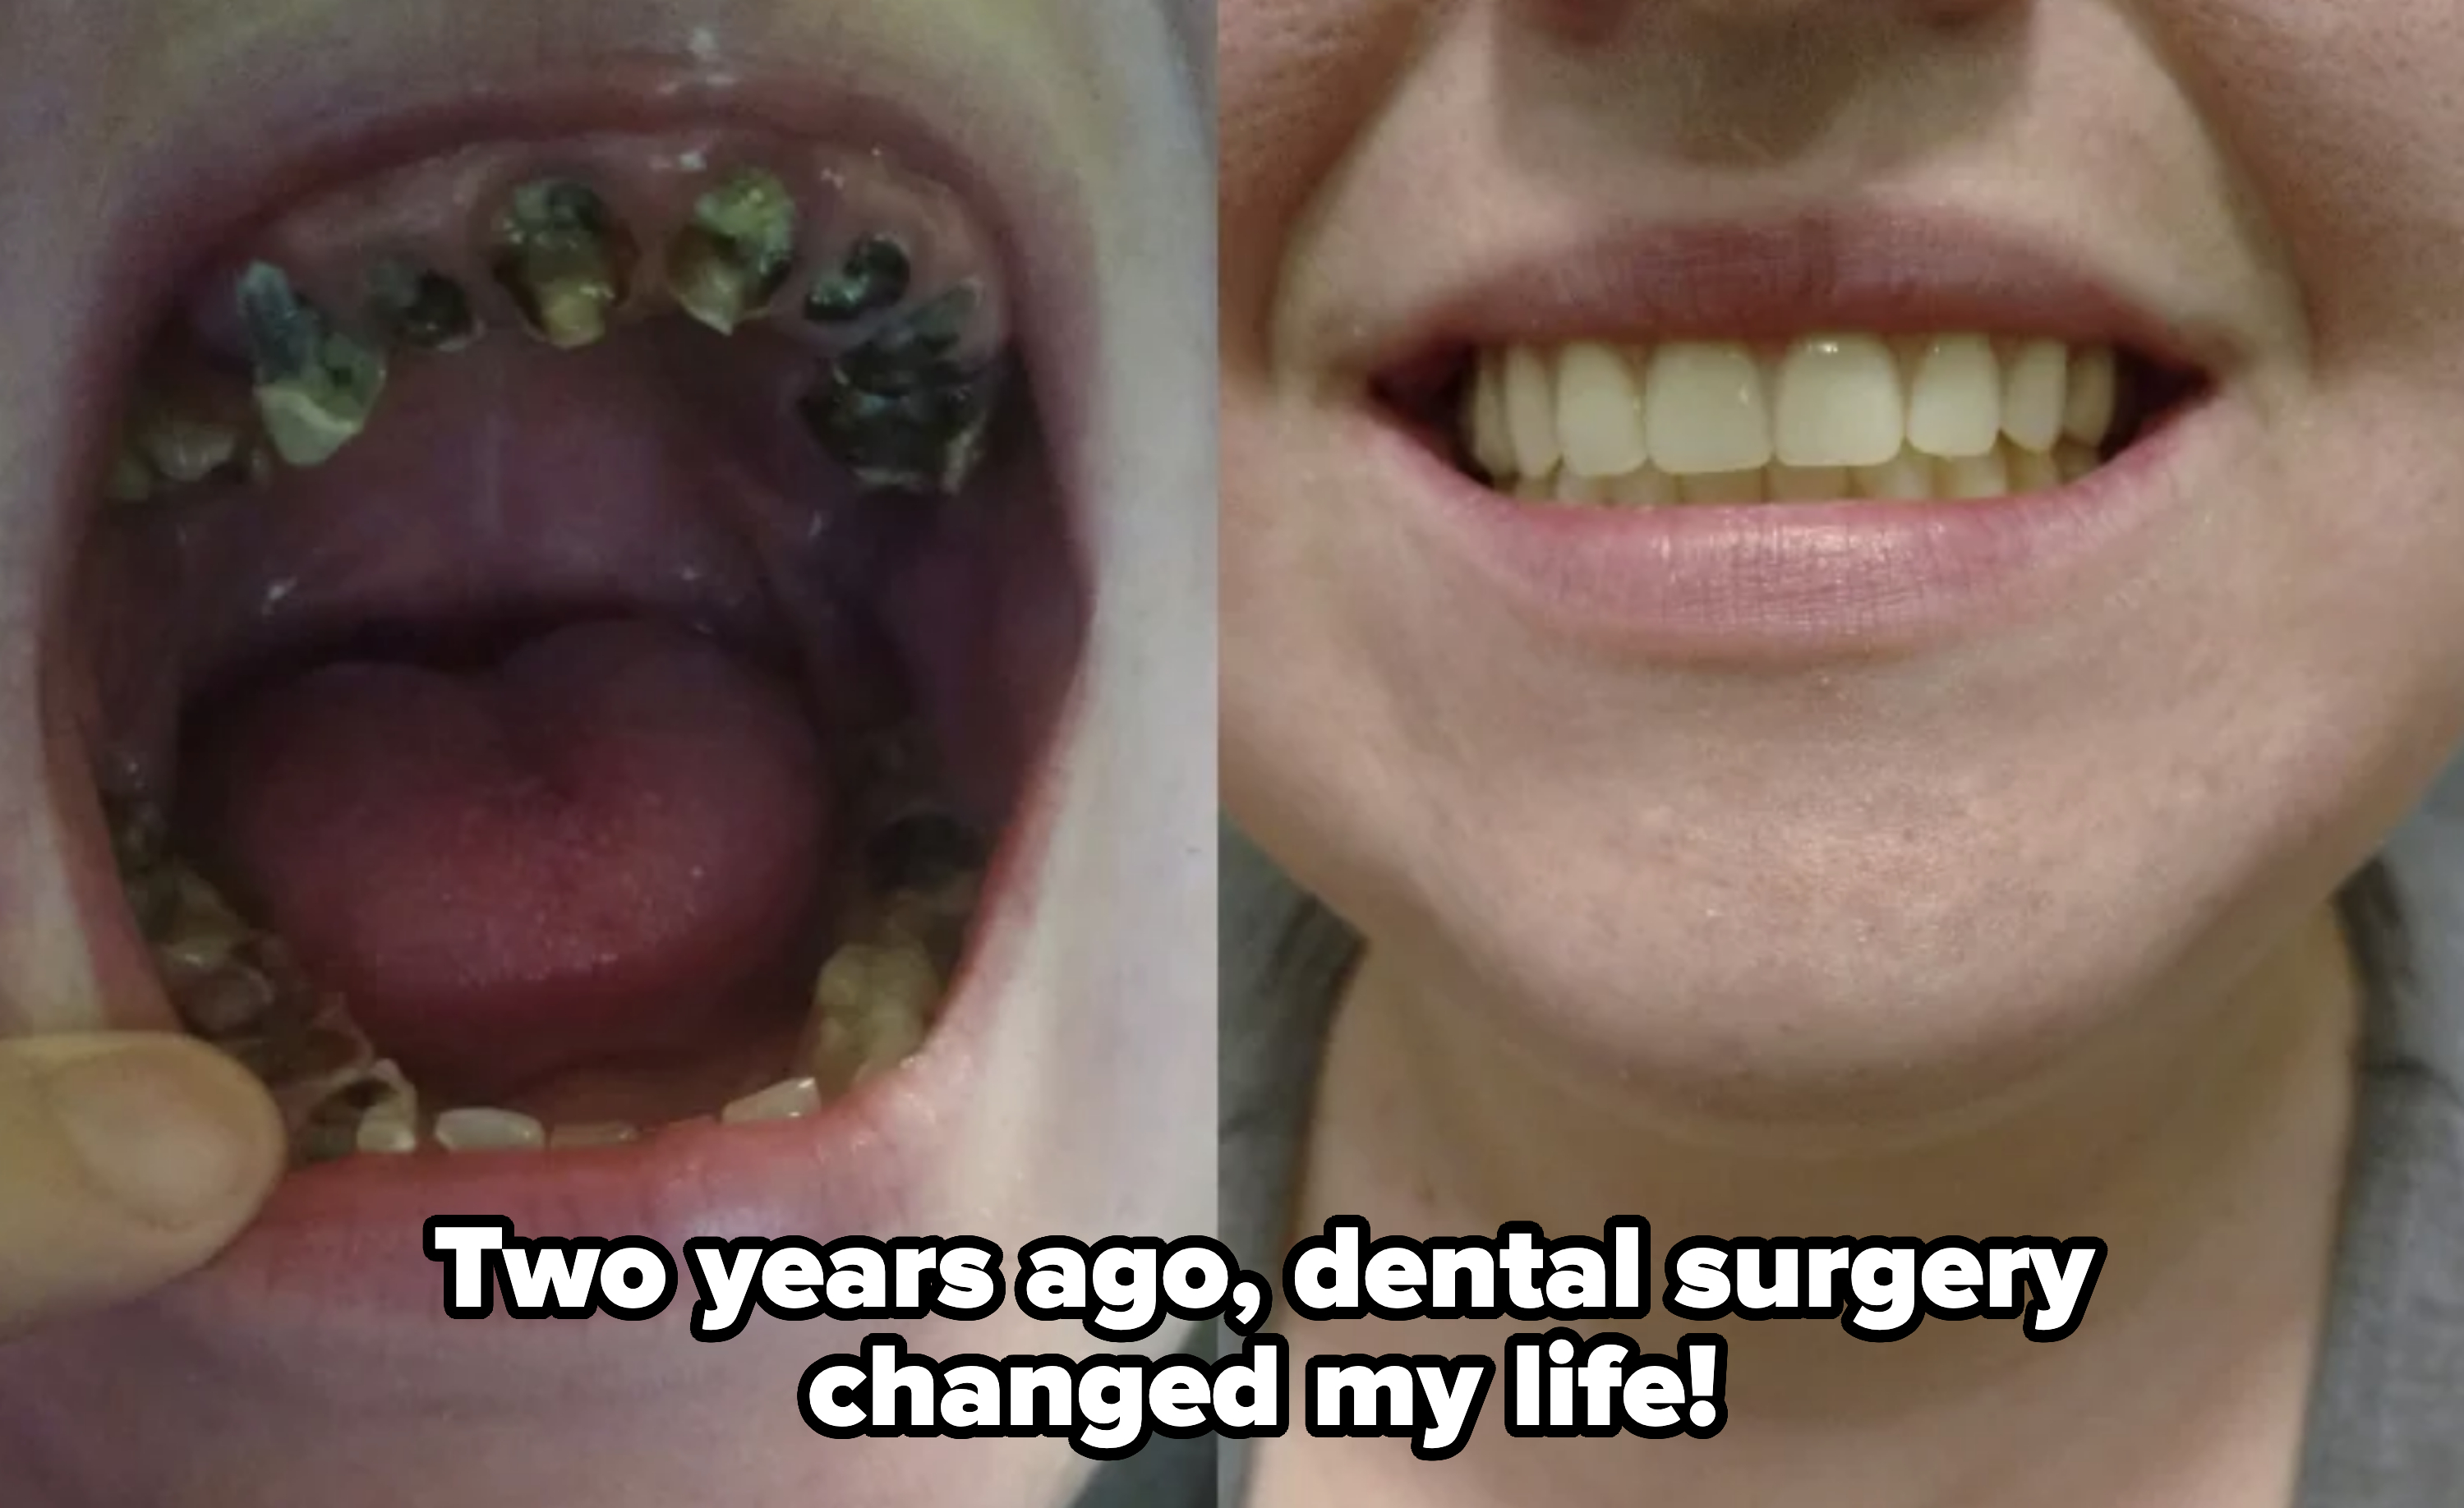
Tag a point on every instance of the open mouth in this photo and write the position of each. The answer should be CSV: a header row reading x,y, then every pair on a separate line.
x,y
568,628
1823,417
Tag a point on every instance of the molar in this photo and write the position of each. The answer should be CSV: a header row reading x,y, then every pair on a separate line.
x,y
872,277
899,410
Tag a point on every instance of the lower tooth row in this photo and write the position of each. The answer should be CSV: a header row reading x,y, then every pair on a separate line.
x,y
236,986
1910,476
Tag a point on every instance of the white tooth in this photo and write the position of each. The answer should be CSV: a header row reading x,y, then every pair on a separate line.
x,y
391,1124
1578,490
1704,408
2033,470
1531,411
1485,405
2087,407
387,1131
1646,487
593,1133
1600,410
1955,397
1808,483
788,1099
1972,476
1906,477
1721,487
2035,383
477,1129
2075,459
1839,403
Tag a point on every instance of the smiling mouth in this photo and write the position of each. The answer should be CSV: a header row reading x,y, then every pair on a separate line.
x,y
567,625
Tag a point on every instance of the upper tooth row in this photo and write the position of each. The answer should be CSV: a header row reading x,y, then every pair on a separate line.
x,y
1690,407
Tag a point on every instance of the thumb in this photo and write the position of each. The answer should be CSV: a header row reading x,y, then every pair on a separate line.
x,y
126,1159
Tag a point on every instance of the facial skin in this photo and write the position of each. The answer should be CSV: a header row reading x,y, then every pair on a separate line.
x,y
1896,900
225,1388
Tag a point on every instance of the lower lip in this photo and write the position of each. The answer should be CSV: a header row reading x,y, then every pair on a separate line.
x,y
1782,582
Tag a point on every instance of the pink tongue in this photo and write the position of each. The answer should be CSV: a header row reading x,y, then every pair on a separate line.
x,y
606,848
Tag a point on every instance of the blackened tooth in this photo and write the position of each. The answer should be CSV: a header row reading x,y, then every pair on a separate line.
x,y
871,278
316,386
564,259
924,438
922,849
916,350
419,307
726,265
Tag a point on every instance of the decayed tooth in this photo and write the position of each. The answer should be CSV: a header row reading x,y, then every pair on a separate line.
x,y
2075,459
1484,421
725,265
1972,476
470,1130
874,1002
871,278
564,259
593,1133
1838,402
1955,397
899,410
1531,411
316,386
1599,411
788,1099
2087,407
1705,411
1535,489
130,479
230,1001
1807,484
420,307
1723,487
2035,383
1647,486
1906,477
2033,470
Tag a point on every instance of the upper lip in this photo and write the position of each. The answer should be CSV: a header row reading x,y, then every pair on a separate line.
x,y
1773,279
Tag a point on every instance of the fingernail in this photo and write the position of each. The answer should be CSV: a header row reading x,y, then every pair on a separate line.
x,y
161,1131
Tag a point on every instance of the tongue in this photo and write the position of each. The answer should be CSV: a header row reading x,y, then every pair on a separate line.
x,y
605,850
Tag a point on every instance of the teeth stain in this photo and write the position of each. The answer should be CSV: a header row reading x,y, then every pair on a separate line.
x,y
420,308
565,260
738,252
898,409
316,386
237,986
872,277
